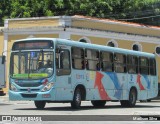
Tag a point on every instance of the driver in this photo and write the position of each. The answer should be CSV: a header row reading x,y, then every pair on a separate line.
x,y
40,65
48,64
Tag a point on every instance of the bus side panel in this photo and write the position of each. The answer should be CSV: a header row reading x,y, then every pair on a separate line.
x,y
132,82
111,85
79,77
152,88
100,87
143,82
63,88
106,85
120,92
146,85
117,82
63,94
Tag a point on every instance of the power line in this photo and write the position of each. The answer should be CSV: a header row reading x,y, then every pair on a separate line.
x,y
138,18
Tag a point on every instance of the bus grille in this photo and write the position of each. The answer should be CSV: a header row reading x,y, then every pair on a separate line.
x,y
29,84
32,90
29,95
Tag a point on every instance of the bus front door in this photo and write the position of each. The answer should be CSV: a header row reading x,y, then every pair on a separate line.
x,y
63,79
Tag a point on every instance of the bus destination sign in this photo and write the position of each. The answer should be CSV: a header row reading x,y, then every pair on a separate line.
x,y
26,45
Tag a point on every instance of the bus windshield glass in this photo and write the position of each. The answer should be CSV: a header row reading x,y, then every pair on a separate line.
x,y
31,64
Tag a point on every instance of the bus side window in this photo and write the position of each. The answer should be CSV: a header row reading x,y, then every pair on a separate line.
x,y
144,65
132,64
120,63
92,60
152,66
106,61
64,63
77,58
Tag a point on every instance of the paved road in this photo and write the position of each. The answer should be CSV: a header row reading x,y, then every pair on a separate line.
x,y
56,109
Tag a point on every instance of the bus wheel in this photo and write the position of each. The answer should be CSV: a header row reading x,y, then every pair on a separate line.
x,y
40,104
98,103
132,99
76,103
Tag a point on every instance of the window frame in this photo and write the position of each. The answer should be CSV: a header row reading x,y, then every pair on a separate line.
x,y
141,68
132,65
152,67
110,62
82,58
93,60
122,64
63,71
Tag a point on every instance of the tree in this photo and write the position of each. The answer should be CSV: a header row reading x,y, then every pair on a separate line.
x,y
128,10
5,9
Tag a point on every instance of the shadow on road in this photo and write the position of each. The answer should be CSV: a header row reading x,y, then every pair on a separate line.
x,y
68,108
3,104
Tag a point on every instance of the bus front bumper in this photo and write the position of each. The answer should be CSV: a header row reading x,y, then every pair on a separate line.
x,y
33,96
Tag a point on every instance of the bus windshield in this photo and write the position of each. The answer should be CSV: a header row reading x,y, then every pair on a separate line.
x,y
31,64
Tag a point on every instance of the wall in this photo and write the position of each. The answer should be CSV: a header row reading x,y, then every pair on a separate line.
x,y
1,43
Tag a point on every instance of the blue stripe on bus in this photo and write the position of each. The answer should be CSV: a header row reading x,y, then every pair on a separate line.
x,y
115,81
147,80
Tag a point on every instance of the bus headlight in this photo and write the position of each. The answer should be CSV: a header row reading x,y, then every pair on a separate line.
x,y
13,88
47,87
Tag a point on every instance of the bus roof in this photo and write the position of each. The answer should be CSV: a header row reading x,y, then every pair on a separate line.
x,y
93,46
104,48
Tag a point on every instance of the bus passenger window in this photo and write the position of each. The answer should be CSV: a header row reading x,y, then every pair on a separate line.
x,y
64,63
98,66
119,63
106,61
92,60
152,66
132,64
77,58
144,65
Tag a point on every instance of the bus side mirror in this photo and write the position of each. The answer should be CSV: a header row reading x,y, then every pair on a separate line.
x,y
3,59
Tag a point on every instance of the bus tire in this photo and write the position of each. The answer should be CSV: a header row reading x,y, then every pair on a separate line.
x,y
76,103
98,103
132,99
40,104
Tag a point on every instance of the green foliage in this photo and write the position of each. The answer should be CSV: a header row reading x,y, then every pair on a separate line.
x,y
114,9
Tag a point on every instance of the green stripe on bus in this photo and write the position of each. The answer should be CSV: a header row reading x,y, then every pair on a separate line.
x,y
30,75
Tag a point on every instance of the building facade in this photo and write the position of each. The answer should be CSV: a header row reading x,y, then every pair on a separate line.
x,y
1,40
84,29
